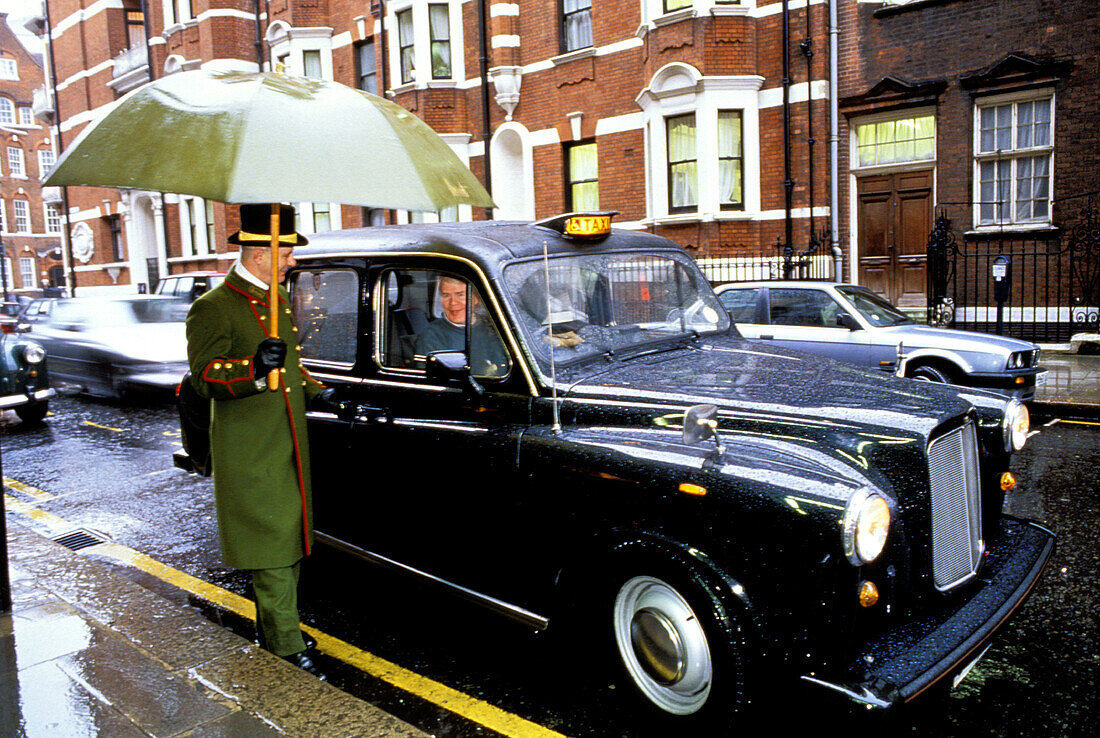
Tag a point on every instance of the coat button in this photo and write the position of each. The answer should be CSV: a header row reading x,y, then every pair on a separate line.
x,y
217,366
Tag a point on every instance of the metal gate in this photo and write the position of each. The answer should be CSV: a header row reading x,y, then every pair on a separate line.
x,y
1054,287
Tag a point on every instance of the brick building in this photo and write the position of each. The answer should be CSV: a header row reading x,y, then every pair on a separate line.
x,y
974,115
30,225
670,111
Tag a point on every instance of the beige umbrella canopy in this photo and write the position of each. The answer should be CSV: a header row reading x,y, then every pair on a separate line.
x,y
268,138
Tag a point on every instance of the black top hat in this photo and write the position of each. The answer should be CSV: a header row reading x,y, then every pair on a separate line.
x,y
256,227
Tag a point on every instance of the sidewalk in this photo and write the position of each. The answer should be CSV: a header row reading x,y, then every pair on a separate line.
x,y
86,652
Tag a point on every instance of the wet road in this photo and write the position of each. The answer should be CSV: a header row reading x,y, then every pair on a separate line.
x,y
108,468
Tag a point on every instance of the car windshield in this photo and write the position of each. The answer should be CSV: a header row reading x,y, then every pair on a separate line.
x,y
121,312
601,304
874,308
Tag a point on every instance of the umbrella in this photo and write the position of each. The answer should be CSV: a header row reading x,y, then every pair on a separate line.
x,y
268,138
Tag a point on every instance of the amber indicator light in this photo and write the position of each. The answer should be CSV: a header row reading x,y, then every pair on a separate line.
x,y
1008,481
693,489
868,593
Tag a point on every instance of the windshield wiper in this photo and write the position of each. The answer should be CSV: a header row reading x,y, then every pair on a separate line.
x,y
657,345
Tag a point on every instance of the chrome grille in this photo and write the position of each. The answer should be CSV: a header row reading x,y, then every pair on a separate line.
x,y
957,544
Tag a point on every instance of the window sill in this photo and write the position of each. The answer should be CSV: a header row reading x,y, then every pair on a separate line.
x,y
585,53
675,16
729,10
1021,229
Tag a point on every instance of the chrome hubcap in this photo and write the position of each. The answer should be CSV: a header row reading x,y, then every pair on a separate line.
x,y
663,645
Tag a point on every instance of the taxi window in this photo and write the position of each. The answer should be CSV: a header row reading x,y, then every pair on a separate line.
x,y
803,307
326,311
424,311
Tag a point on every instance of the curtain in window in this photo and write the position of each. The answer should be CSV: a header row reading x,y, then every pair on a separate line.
x,y
440,23
729,158
577,26
584,176
681,162
1032,187
405,41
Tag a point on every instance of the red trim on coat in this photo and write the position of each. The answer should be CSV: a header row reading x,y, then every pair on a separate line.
x,y
301,476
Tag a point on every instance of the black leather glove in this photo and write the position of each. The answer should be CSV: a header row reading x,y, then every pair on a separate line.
x,y
325,401
270,354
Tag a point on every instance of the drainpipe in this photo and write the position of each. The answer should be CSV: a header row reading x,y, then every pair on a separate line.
x,y
60,147
259,42
788,183
486,131
834,146
807,47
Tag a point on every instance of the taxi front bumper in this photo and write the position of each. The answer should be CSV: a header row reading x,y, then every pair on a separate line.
x,y
901,664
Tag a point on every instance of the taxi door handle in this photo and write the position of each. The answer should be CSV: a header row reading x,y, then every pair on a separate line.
x,y
767,337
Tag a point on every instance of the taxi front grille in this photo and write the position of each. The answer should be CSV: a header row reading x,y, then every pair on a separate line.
x,y
957,544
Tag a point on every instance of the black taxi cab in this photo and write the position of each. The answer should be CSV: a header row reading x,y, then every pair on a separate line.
x,y
558,421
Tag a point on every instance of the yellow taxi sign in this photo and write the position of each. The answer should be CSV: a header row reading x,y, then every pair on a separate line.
x,y
587,226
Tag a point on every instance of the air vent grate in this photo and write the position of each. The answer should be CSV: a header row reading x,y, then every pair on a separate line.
x,y
78,539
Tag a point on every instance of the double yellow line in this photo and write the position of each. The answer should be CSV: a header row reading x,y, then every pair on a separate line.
x,y
452,700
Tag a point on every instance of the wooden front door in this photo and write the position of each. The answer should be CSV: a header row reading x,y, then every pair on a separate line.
x,y
894,219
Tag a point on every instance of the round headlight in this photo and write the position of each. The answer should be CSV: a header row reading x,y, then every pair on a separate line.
x,y
866,526
1016,425
33,353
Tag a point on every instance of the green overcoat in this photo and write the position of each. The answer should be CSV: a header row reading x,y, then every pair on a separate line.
x,y
258,441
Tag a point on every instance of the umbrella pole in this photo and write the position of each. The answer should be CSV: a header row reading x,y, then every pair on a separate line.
x,y
273,298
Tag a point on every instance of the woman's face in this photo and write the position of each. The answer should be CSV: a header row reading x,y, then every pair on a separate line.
x,y
452,293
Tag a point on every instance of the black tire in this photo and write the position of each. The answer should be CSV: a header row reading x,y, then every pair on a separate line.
x,y
675,649
33,413
931,373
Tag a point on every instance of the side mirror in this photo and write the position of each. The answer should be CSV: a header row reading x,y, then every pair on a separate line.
x,y
845,320
700,423
451,367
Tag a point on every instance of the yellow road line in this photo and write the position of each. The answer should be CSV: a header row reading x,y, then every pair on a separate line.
x,y
1081,422
104,427
450,699
48,519
32,492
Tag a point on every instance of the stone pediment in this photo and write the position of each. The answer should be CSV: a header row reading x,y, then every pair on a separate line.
x,y
893,92
1017,69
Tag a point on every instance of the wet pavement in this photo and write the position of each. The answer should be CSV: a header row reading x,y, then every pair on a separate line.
x,y
88,652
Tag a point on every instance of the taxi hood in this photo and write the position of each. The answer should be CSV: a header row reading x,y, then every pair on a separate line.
x,y
750,380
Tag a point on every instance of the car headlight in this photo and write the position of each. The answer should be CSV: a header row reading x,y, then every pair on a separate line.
x,y
1014,360
866,526
33,353
1016,425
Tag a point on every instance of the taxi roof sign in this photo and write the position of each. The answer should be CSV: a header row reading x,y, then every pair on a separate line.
x,y
590,226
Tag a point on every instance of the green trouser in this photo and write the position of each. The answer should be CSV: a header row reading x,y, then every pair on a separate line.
x,y
276,593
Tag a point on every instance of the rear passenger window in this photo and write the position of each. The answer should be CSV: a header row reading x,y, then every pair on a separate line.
x,y
741,304
803,307
326,310
425,311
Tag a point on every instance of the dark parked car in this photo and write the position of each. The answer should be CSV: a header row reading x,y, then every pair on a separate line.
x,y
36,311
599,454
24,381
189,285
111,345
852,323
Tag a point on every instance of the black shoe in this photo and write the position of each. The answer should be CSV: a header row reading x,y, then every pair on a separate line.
x,y
303,661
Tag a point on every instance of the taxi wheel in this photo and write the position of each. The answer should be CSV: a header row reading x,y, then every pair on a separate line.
x,y
929,373
669,648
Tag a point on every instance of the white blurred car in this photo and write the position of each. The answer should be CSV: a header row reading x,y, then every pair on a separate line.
x,y
112,345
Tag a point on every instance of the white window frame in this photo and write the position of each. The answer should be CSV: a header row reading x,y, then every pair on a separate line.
x,y
289,44
193,236
910,113
422,45
28,272
22,220
678,89
51,216
3,216
9,68
654,15
17,162
1013,155
25,115
46,160
7,112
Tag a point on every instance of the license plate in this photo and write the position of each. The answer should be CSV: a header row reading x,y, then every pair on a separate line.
x,y
1041,378
966,669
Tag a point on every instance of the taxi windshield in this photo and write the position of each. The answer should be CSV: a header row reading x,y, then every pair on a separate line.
x,y
609,304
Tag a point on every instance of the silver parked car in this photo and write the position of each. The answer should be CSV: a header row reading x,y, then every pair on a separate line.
x,y
853,324
109,346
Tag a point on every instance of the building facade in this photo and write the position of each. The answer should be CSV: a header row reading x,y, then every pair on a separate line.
x,y
974,118
672,112
30,219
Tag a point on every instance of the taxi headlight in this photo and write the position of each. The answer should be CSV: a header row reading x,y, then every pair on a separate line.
x,y
866,526
1016,425
34,353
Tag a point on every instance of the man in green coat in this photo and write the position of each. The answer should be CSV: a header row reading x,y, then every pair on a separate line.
x,y
259,445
